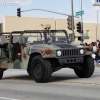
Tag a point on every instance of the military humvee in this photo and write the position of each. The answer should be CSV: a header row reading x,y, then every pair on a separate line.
x,y
44,52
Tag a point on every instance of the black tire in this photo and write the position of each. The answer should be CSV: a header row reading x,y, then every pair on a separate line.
x,y
41,69
1,73
87,68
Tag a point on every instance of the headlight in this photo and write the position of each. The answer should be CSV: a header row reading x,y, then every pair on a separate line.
x,y
81,51
58,53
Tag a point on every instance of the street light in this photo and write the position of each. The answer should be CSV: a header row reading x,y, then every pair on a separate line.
x,y
97,26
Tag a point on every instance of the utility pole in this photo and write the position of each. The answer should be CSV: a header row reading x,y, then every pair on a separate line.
x,y
81,19
97,35
72,19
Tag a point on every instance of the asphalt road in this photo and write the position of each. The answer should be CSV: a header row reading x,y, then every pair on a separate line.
x,y
64,85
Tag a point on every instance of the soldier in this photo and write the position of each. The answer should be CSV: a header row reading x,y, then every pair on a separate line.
x,y
17,50
5,47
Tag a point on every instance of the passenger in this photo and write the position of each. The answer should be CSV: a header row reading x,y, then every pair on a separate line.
x,y
17,50
5,47
39,39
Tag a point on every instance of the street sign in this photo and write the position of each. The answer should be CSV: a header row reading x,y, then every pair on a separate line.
x,y
80,13
96,2
85,34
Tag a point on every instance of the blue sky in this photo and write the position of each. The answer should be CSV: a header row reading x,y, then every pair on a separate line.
x,y
63,6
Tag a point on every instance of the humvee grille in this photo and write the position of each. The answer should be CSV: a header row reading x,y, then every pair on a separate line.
x,y
72,52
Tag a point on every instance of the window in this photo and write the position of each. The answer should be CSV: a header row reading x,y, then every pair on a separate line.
x,y
61,39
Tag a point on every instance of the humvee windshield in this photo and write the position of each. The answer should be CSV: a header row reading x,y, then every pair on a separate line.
x,y
46,37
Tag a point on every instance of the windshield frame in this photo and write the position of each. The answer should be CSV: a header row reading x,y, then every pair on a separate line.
x,y
45,35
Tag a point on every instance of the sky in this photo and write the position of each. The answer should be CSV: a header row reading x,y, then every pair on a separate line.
x,y
9,8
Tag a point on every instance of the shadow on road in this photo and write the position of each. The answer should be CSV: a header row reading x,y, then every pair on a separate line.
x,y
56,77
18,77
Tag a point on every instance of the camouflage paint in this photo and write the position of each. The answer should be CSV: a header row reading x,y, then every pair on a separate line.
x,y
25,57
39,48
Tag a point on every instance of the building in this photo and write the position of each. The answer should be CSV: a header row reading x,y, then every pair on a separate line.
x,y
14,23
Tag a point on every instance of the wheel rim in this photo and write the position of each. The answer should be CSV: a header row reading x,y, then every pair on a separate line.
x,y
38,71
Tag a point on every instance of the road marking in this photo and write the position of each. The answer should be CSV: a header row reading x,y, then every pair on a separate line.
x,y
8,98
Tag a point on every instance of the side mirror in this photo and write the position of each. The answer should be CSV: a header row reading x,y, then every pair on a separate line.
x,y
23,40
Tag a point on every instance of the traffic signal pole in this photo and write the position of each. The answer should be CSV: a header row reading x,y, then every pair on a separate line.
x,y
50,12
81,20
72,20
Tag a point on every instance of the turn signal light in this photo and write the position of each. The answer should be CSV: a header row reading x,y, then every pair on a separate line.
x,y
42,52
48,51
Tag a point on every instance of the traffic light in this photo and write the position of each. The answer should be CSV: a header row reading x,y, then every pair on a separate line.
x,y
80,27
80,38
19,12
69,19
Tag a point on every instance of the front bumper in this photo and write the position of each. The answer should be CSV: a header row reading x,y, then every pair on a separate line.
x,y
63,61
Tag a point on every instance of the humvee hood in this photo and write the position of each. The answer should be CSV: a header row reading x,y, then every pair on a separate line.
x,y
69,45
43,46
57,46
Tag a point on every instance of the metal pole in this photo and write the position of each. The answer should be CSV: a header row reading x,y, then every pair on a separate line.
x,y
81,19
50,12
97,27
97,35
72,19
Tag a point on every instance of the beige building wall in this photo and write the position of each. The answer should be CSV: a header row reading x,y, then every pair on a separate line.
x,y
13,23
98,31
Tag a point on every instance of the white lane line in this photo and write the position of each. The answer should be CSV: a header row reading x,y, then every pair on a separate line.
x,y
8,98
